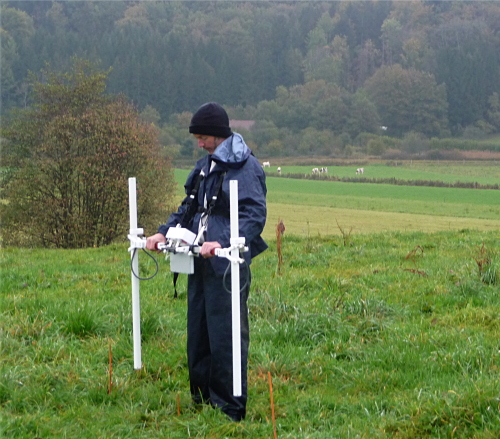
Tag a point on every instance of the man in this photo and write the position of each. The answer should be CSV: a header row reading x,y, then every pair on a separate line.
x,y
209,344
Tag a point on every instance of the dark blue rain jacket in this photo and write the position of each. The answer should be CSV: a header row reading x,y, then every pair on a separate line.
x,y
234,158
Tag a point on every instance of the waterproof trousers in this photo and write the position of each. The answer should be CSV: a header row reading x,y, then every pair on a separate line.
x,y
209,338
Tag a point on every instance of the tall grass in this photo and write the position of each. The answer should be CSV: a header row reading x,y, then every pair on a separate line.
x,y
386,335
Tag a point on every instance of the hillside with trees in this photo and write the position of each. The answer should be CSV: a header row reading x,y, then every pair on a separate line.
x,y
317,78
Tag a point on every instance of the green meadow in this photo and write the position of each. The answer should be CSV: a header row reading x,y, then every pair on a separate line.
x,y
381,322
385,335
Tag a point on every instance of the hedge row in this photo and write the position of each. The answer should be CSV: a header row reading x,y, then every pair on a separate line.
x,y
463,145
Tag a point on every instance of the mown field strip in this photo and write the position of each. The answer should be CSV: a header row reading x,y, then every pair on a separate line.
x,y
302,220
278,186
425,207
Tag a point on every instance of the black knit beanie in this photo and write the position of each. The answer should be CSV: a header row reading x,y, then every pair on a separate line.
x,y
212,120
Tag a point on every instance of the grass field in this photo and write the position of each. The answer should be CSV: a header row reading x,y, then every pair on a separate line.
x,y
392,335
384,323
311,207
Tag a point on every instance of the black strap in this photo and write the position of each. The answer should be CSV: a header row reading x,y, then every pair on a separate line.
x,y
176,276
219,211
190,205
216,194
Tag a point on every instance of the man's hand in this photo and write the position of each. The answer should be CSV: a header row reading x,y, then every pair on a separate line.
x,y
152,241
208,249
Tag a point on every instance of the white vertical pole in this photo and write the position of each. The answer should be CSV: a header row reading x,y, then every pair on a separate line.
x,y
235,288
136,306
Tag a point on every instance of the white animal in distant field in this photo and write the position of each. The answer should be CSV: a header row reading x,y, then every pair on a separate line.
x,y
315,171
325,170
266,165
360,171
279,170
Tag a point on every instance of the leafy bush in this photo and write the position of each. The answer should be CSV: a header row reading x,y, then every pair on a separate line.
x,y
70,157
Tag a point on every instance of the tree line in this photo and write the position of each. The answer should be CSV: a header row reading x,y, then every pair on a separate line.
x,y
316,77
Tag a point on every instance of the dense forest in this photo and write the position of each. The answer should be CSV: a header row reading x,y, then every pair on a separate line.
x,y
315,77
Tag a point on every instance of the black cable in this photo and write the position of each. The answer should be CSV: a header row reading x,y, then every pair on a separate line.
x,y
132,265
247,277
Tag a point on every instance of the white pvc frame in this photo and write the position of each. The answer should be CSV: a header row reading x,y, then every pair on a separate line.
x,y
235,287
233,254
136,305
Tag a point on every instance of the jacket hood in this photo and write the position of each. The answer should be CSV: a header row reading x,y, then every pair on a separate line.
x,y
233,150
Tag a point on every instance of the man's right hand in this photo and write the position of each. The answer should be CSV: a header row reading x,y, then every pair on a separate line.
x,y
152,241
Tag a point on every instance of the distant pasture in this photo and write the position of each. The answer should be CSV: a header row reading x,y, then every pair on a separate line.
x,y
483,173
312,207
